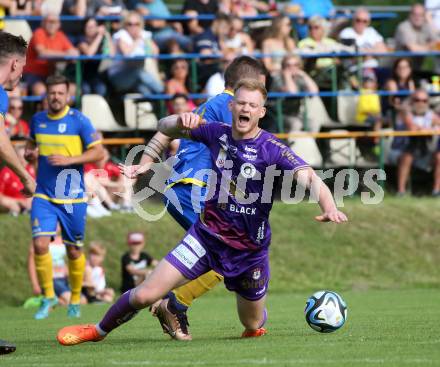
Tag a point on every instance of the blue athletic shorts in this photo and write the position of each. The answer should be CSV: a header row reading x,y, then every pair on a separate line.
x,y
72,218
189,214
61,285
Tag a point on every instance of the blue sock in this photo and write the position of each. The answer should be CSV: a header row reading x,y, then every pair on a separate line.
x,y
174,305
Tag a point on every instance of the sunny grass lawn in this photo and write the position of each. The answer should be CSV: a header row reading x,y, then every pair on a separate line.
x,y
384,328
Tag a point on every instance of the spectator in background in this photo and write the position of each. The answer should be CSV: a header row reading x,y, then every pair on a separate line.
x,y
307,9
401,80
106,182
196,7
178,82
210,42
320,69
278,43
15,126
90,8
237,40
94,285
20,7
179,104
136,264
216,83
418,117
243,8
293,79
11,196
95,41
163,32
48,40
369,114
132,76
416,34
365,37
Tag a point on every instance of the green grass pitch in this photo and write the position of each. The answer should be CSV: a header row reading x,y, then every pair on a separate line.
x,y
384,328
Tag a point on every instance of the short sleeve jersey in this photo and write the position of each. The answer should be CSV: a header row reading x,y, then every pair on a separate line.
x,y
241,189
69,134
192,155
129,280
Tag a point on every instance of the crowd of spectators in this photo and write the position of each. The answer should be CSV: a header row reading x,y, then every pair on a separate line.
x,y
314,30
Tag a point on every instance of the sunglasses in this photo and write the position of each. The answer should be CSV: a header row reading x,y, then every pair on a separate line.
x,y
133,24
421,100
359,20
292,64
314,27
16,107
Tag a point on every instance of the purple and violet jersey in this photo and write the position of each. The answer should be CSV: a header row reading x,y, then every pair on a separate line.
x,y
235,212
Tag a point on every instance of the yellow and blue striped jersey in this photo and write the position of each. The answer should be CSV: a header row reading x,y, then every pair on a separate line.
x,y
68,133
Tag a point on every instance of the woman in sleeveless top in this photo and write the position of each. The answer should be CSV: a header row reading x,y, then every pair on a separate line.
x,y
278,43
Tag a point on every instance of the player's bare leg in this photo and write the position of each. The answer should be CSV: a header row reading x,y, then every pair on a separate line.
x,y
43,266
252,315
163,278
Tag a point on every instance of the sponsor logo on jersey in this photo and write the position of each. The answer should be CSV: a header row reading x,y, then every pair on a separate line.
x,y
242,210
250,149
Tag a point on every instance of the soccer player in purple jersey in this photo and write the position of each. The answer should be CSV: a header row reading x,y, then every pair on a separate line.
x,y
233,234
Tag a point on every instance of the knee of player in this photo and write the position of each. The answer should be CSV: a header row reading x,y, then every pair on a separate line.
x,y
144,296
41,245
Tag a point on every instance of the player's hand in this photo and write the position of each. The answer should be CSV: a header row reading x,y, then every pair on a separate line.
x,y
29,186
133,171
334,216
189,120
36,290
59,160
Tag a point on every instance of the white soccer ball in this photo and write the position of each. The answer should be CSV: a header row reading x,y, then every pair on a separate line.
x,y
325,311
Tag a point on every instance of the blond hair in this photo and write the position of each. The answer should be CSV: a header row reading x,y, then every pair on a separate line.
x,y
252,85
96,248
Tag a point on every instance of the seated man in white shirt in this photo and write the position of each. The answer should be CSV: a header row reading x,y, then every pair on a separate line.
x,y
365,37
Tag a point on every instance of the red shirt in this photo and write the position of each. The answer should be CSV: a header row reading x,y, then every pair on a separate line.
x,y
10,184
57,42
111,169
21,128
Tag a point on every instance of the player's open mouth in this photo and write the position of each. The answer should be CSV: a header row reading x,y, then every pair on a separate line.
x,y
243,119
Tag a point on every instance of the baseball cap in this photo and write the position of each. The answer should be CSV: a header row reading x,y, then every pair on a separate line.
x,y
135,237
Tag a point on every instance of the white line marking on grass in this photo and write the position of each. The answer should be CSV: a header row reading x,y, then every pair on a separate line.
x,y
265,361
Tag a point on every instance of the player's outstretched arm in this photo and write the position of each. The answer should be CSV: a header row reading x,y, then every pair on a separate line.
x,y
309,179
177,126
7,153
153,151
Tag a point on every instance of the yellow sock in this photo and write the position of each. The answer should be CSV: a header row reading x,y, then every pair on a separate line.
x,y
76,275
187,293
43,265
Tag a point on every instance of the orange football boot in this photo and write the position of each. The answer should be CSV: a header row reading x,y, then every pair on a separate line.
x,y
77,334
254,333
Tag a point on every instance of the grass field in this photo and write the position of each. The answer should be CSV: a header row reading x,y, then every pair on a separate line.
x,y
384,328
384,263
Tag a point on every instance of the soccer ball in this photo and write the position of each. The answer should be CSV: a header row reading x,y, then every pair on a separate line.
x,y
325,311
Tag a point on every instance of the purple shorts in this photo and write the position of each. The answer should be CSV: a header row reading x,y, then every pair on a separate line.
x,y
245,272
